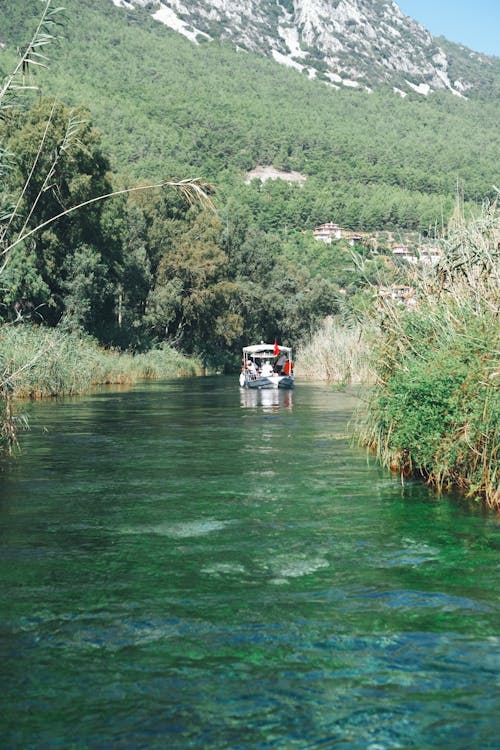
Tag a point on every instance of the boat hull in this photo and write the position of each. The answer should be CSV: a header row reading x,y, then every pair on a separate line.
x,y
271,381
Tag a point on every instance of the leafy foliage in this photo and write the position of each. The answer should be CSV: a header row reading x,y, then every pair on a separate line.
x,y
58,163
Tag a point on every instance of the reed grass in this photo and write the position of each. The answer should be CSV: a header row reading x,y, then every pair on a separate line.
x,y
37,363
336,354
434,409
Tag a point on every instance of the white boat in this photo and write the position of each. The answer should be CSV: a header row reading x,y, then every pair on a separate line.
x,y
267,366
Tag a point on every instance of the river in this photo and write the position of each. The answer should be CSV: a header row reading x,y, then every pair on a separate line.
x,y
188,566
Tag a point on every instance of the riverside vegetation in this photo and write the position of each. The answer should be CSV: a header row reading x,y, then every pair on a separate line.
x,y
434,410
145,276
37,361
50,362
432,406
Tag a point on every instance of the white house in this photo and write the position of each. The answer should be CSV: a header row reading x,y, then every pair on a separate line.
x,y
404,252
402,293
430,255
328,232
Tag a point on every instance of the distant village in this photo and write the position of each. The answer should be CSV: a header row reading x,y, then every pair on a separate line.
x,y
331,232
420,254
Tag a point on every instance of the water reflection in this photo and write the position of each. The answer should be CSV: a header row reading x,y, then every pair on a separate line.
x,y
269,398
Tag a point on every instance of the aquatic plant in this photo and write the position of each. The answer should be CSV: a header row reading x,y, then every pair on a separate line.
x,y
41,363
434,409
337,354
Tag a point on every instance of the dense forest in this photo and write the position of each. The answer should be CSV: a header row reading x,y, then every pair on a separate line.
x,y
137,102
134,271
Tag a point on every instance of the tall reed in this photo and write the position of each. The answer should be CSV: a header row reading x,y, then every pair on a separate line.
x,y
37,362
434,409
336,354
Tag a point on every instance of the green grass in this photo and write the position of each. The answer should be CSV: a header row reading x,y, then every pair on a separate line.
x,y
38,362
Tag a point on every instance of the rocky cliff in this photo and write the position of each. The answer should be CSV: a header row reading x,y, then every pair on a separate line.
x,y
354,43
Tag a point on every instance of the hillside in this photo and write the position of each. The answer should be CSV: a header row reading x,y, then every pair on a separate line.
x,y
347,43
168,107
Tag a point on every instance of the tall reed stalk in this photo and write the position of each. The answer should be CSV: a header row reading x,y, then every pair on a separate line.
x,y
434,409
336,354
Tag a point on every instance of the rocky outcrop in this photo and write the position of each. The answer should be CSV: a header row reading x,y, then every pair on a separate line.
x,y
354,43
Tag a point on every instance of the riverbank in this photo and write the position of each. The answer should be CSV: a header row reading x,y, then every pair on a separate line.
x,y
434,410
40,363
432,404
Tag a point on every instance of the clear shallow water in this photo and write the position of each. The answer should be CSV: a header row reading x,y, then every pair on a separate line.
x,y
186,566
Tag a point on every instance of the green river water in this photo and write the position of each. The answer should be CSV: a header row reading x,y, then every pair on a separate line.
x,y
184,565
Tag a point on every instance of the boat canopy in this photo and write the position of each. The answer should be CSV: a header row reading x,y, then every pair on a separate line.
x,y
265,349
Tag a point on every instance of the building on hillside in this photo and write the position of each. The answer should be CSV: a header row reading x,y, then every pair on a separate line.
x,y
404,252
430,255
331,232
328,232
353,238
402,293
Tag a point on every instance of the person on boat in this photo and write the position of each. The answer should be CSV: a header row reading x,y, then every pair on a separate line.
x,y
280,362
288,367
251,369
267,369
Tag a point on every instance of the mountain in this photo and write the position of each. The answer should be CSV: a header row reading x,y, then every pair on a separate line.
x,y
158,104
172,106
346,43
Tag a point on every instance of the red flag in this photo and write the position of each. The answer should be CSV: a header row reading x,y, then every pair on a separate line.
x,y
276,349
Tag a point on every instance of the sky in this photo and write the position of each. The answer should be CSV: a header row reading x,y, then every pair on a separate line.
x,y
474,23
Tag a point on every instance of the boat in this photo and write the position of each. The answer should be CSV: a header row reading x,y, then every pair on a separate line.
x,y
267,366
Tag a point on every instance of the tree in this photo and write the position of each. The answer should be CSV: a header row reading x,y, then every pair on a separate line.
x,y
58,163
89,300
194,303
